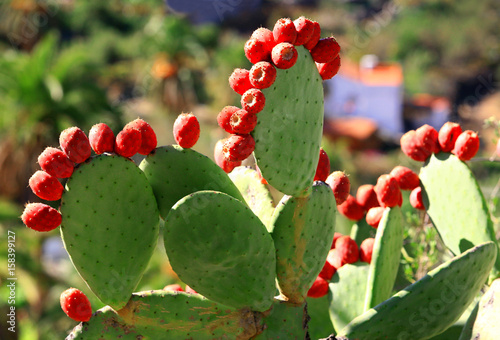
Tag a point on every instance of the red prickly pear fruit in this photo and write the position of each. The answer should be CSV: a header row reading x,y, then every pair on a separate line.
x,y
190,290
46,186
221,161
148,136
253,100
304,28
400,200
416,199
128,142
238,147
351,209
239,81
41,217
256,50
334,259
411,146
339,182
387,190
347,250
374,215
186,130
284,55
367,197
323,168
330,69
318,289
56,163
366,250
284,31
224,117
466,145
448,135
336,236
427,137
243,122
76,305
262,179
316,35
327,272
174,287
265,36
325,50
406,178
262,75
75,144
102,138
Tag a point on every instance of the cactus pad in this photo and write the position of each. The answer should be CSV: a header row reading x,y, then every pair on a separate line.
x,y
285,321
320,323
385,257
175,172
110,226
255,193
430,305
455,203
362,230
222,250
487,324
303,233
289,128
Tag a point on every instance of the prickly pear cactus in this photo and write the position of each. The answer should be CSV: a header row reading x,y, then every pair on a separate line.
x,y
487,323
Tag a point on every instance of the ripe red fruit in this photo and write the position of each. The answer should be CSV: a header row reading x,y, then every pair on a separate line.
x,y
224,118
339,182
284,55
323,168
56,163
413,148
148,136
318,289
186,130
45,186
266,37
447,136
466,145
253,100
174,287
75,144
239,81
416,199
325,50
76,305
238,147
367,197
304,28
347,250
256,50
334,259
427,137
284,31
336,236
374,215
351,209
387,190
221,161
262,75
328,271
330,69
102,138
243,122
41,217
406,178
366,250
127,142
316,35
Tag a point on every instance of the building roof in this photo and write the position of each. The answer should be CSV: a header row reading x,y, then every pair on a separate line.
x,y
381,74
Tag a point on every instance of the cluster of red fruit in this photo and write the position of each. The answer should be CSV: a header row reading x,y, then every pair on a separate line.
x,y
344,251
268,50
420,144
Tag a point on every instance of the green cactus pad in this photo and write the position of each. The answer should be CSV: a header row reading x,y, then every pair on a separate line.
x,y
430,305
487,324
361,231
175,172
110,226
385,257
347,293
285,321
303,233
255,193
289,128
466,333
217,245
320,324
455,203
